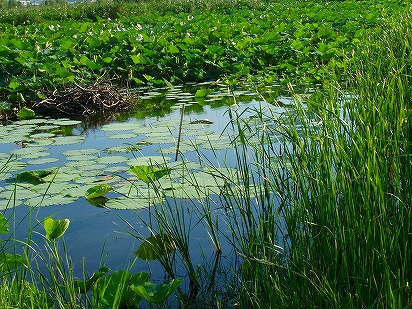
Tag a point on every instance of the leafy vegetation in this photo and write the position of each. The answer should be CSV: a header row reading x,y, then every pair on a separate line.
x,y
293,40
316,212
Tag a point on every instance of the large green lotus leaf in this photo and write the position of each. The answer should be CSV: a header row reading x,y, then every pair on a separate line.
x,y
156,246
4,224
77,164
156,293
98,190
30,121
55,228
114,290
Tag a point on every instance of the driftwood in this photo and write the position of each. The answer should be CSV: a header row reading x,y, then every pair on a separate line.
x,y
94,99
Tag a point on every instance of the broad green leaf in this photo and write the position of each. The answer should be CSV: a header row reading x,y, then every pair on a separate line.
x,y
148,173
156,293
98,191
4,224
26,113
114,290
86,285
156,246
33,177
11,261
201,93
55,228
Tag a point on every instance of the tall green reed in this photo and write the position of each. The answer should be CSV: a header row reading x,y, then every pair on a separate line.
x,y
324,219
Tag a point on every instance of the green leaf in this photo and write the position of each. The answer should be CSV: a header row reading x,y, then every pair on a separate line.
x,y
86,285
201,93
26,113
11,261
55,228
148,173
98,191
114,290
156,293
4,224
156,246
33,177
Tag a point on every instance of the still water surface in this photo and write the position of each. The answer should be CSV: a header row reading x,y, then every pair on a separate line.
x,y
102,236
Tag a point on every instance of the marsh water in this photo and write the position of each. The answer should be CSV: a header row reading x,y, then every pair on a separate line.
x,y
87,153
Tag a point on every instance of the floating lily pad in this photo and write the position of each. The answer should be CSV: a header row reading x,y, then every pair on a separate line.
x,y
9,203
83,151
149,160
119,126
128,203
49,200
123,136
66,122
112,159
42,161
67,140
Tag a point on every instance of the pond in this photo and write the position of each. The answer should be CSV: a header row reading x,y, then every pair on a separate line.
x,y
49,164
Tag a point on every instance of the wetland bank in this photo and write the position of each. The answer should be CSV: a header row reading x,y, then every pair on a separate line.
x,y
299,198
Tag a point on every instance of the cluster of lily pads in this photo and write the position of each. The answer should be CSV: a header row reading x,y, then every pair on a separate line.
x,y
48,161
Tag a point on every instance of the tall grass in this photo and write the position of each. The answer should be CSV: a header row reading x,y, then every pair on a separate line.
x,y
325,218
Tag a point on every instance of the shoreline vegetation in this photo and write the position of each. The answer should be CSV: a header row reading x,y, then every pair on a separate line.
x,y
318,213
47,50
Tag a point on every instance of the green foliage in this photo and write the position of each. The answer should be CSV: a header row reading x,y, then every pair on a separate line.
x,y
155,48
155,247
148,173
115,291
4,225
55,228
156,293
98,191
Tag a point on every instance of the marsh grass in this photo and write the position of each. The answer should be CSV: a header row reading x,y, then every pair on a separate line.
x,y
319,212
330,225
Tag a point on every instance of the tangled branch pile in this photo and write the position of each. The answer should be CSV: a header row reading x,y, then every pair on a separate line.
x,y
94,99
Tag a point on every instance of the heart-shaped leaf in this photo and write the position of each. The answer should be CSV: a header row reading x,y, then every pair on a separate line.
x,y
156,293
98,191
55,228
156,246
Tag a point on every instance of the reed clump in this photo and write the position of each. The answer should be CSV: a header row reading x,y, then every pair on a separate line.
x,y
331,224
